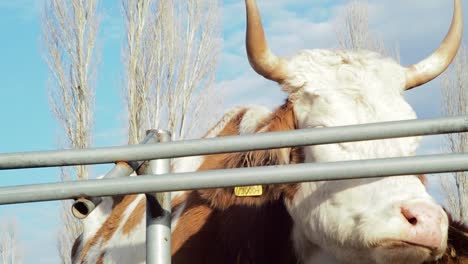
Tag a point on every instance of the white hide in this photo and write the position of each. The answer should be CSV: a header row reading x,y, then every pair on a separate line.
x,y
348,218
251,118
97,217
120,248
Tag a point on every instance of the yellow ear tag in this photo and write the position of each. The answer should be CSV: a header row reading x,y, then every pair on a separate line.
x,y
254,190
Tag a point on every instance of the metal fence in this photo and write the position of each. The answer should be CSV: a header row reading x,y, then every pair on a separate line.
x,y
152,157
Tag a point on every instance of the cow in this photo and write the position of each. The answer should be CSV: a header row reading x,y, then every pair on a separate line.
x,y
376,220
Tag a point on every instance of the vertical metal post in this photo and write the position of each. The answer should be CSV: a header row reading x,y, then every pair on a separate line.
x,y
158,211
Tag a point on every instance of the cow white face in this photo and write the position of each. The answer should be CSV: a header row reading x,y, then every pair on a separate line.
x,y
386,220
368,220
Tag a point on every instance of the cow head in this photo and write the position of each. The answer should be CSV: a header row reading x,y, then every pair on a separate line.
x,y
385,220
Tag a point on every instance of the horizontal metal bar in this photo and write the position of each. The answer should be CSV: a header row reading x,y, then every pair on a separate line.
x,y
83,206
124,168
236,177
300,137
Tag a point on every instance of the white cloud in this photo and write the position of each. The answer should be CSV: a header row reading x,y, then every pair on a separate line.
x,y
250,89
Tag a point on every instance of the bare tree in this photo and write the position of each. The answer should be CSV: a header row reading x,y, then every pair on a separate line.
x,y
10,249
353,31
69,35
171,51
455,102
139,64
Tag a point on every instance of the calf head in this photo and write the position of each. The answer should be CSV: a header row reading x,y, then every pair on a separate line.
x,y
381,220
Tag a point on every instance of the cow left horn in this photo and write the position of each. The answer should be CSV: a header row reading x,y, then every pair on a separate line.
x,y
435,64
262,60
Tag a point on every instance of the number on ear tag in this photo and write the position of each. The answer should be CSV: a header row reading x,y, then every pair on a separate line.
x,y
254,190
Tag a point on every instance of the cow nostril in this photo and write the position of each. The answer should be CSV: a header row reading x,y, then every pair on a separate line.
x,y
409,216
413,221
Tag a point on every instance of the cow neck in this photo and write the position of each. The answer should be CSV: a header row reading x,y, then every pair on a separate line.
x,y
218,227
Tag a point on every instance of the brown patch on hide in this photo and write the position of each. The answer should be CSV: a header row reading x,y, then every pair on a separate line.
x,y
282,119
135,218
193,219
457,248
101,258
176,202
116,200
423,179
109,227
138,214
222,198
76,246
123,164
232,127
218,227
238,234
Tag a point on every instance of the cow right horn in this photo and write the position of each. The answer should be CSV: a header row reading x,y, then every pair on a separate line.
x,y
436,63
262,60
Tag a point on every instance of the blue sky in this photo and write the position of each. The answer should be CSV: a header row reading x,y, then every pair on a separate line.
x,y
416,26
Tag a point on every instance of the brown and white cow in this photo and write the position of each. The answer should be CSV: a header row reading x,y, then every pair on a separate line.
x,y
380,220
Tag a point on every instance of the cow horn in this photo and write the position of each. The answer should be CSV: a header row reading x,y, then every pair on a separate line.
x,y
262,60
436,63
